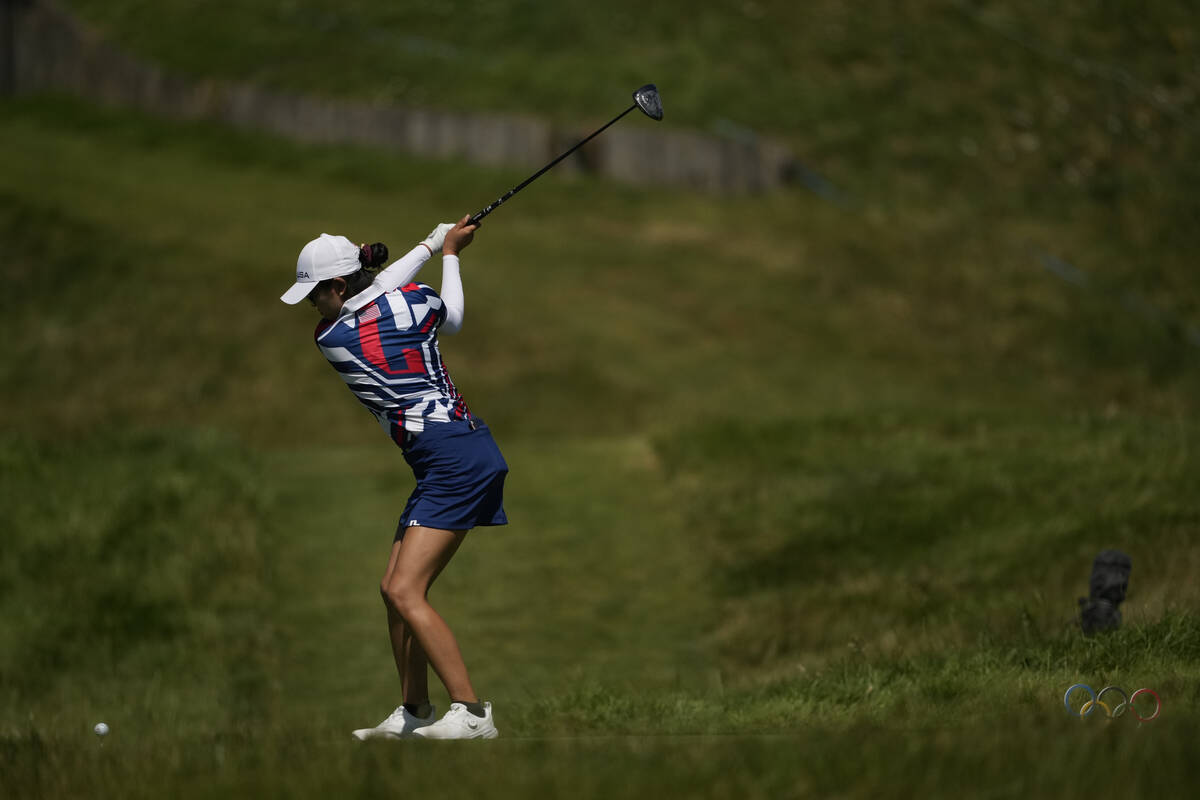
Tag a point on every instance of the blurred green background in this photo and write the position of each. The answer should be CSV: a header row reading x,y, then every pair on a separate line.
x,y
804,485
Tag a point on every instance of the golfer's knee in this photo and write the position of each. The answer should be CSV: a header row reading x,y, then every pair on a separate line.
x,y
403,597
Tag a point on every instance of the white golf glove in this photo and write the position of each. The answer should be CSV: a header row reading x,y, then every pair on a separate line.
x,y
437,237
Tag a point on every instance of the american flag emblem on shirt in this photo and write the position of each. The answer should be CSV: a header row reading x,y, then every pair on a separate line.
x,y
370,314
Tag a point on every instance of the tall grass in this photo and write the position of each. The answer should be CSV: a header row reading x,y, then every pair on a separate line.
x,y
948,517
133,565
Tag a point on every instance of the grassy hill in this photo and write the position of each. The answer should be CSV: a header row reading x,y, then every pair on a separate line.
x,y
803,492
1075,131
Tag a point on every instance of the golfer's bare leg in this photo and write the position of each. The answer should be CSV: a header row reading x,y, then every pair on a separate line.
x,y
419,558
411,663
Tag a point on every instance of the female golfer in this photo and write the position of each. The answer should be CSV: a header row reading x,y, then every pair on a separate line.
x,y
380,332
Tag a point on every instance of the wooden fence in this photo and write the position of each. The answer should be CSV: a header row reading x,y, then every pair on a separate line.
x,y
47,49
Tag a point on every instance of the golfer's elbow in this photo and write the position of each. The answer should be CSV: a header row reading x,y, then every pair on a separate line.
x,y
453,323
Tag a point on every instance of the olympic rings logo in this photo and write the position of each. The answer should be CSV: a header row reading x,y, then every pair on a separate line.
x,y
1128,702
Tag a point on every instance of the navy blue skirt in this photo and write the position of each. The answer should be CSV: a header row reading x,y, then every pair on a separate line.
x,y
460,478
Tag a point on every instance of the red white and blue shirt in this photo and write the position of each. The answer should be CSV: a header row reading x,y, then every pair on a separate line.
x,y
386,350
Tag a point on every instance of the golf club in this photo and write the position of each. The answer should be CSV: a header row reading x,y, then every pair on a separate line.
x,y
645,98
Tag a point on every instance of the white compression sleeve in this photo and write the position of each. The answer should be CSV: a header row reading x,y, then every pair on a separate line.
x,y
452,295
398,273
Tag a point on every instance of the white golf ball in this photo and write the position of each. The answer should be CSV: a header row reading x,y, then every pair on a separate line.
x,y
101,729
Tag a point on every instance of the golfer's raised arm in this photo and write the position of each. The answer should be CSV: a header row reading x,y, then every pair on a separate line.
x,y
456,239
452,294
402,271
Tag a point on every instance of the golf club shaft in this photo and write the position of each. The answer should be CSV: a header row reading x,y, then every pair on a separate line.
x,y
496,203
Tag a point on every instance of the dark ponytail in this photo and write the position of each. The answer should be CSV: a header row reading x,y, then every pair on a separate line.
x,y
373,256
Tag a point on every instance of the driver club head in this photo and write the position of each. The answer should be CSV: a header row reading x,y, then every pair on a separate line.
x,y
649,102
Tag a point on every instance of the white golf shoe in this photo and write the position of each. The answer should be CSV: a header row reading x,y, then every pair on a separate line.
x,y
459,723
399,725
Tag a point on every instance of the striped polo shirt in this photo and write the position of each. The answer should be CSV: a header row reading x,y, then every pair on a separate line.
x,y
387,353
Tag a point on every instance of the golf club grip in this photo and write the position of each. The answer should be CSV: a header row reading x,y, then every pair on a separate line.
x,y
475,218
479,215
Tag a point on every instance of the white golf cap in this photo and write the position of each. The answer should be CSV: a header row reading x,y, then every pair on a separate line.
x,y
324,257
